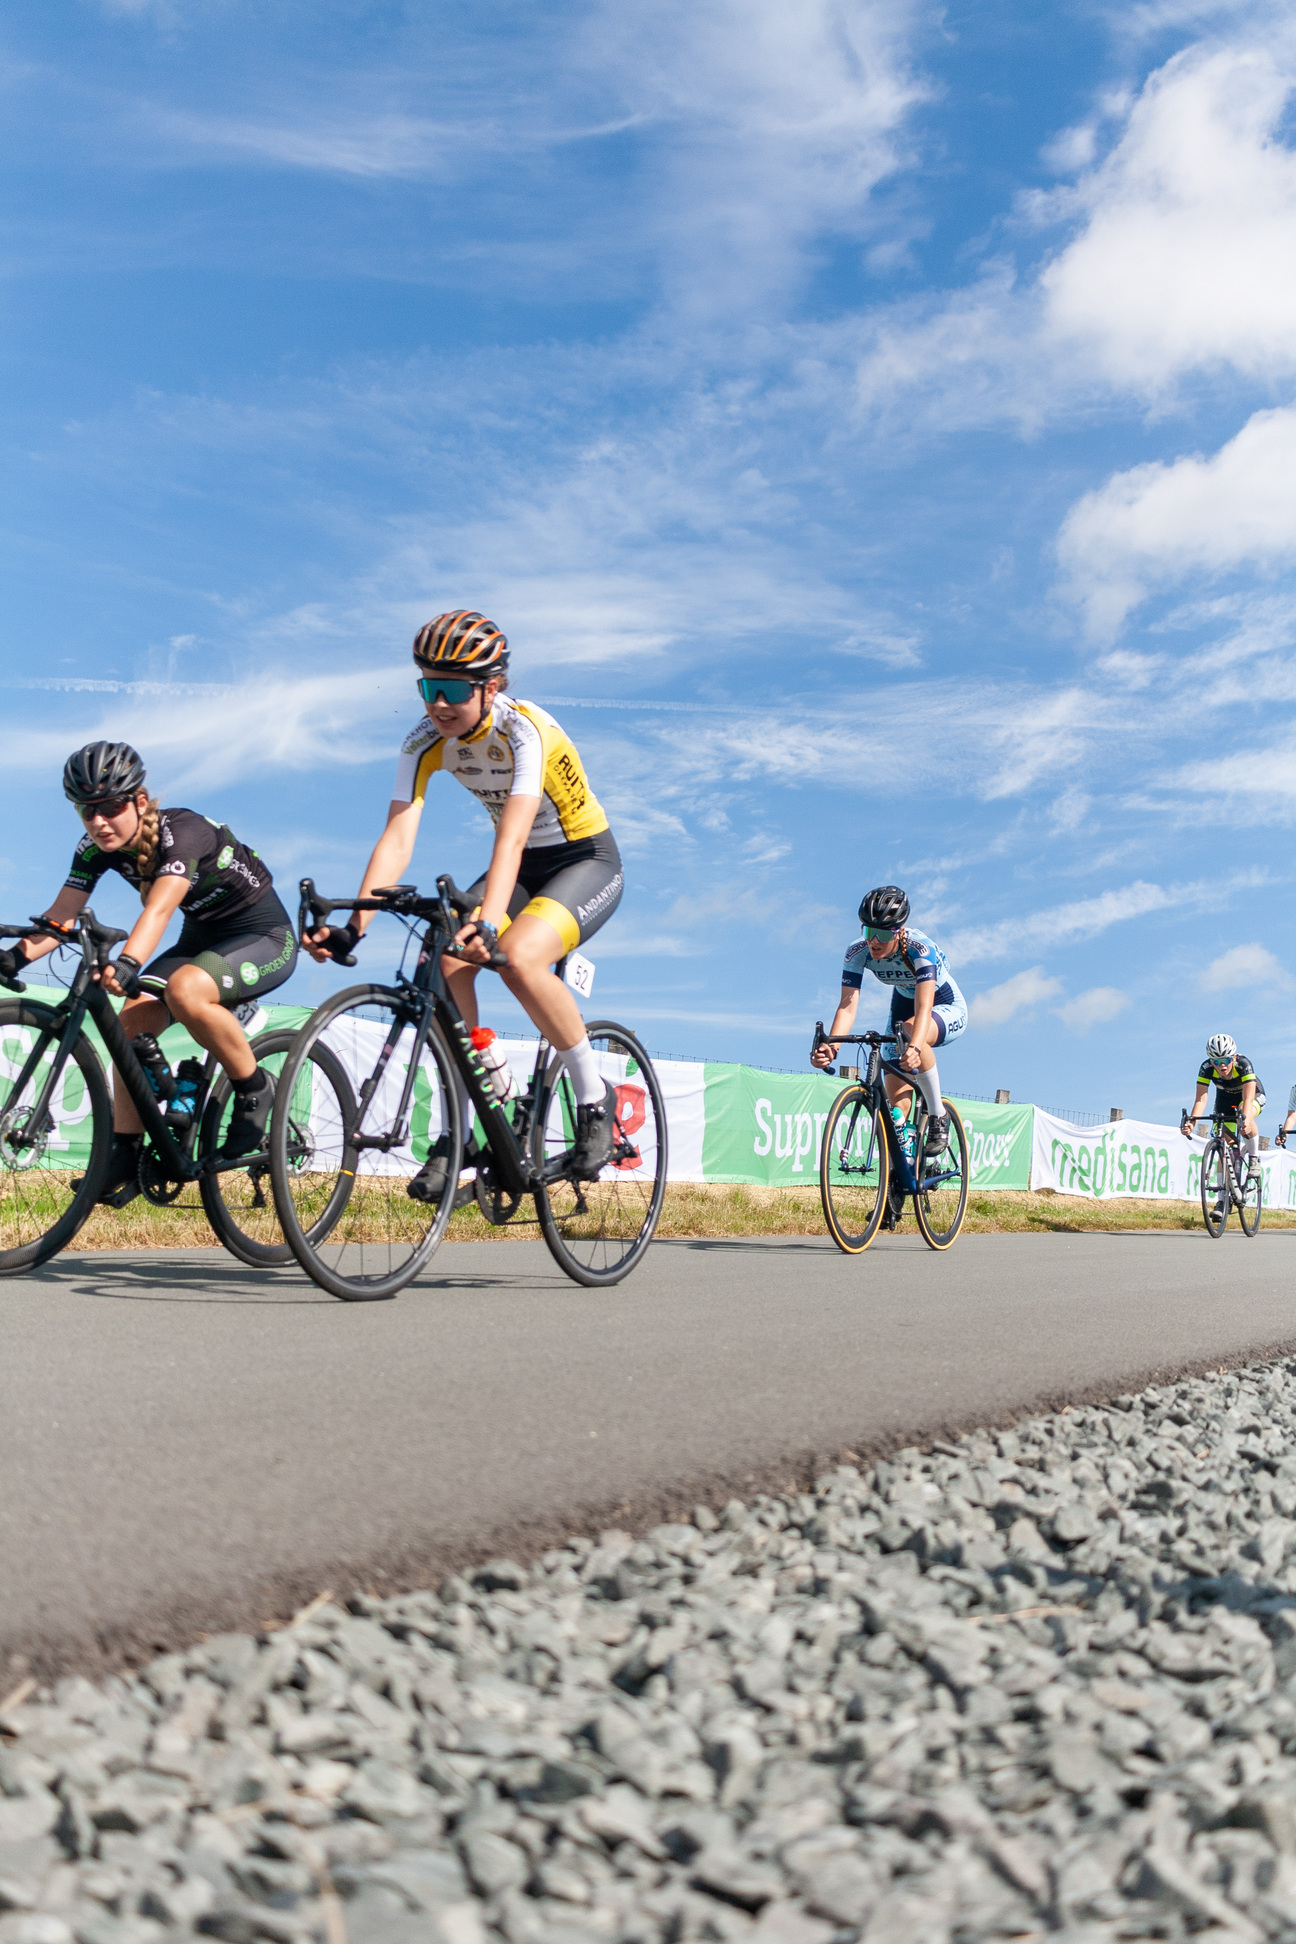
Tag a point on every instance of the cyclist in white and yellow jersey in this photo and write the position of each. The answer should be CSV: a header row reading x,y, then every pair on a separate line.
x,y
554,875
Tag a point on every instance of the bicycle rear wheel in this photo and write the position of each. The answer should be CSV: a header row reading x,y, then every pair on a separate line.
x,y
1252,1203
1214,1188
239,1202
40,1210
941,1201
853,1170
341,1188
597,1230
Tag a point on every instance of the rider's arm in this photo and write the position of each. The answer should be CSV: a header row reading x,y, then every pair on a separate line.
x,y
514,827
1248,1108
387,865
164,899
1202,1091
843,1020
63,910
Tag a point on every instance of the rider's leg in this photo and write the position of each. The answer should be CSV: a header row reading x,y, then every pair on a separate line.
x,y
927,1079
137,1016
461,978
533,945
193,998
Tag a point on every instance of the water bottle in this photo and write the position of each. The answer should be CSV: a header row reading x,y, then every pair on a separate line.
x,y
188,1086
491,1054
907,1135
154,1062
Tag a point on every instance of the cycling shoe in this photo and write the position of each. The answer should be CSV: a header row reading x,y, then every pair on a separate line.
x,y
121,1183
595,1136
246,1133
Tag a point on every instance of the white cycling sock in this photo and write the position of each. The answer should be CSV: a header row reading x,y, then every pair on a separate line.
x,y
929,1088
581,1062
1250,1145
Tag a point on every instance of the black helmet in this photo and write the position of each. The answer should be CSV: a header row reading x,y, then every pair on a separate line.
x,y
102,771
462,643
887,908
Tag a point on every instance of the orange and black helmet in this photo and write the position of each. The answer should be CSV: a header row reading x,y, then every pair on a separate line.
x,y
464,642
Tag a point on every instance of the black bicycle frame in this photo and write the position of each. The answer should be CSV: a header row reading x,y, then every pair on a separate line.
x,y
428,998
84,996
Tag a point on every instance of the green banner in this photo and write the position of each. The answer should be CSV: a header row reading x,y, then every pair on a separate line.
x,y
767,1128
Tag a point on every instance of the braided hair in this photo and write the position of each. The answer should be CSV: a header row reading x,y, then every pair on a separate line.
x,y
148,840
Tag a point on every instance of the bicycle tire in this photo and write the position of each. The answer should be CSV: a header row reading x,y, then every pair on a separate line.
x,y
1251,1206
940,1210
597,1231
40,1212
854,1194
1214,1188
244,1218
368,1244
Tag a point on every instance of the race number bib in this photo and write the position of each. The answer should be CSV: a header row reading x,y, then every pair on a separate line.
x,y
580,974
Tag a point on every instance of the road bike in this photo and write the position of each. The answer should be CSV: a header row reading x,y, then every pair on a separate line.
x,y
55,1103
1226,1179
868,1164
347,1209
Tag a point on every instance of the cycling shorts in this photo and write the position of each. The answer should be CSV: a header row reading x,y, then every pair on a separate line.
x,y
248,956
574,887
949,1014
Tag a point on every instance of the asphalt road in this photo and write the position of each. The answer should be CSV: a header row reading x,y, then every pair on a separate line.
x,y
186,1445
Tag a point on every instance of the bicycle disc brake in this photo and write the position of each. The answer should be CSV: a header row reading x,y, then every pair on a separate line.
x,y
15,1151
156,1183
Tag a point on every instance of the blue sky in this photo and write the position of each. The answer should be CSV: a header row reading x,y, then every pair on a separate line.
x,y
873,427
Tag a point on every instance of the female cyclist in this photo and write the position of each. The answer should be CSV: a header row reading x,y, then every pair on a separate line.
x,y
927,1008
554,875
236,943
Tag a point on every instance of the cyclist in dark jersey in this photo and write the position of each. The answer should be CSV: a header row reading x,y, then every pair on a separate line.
x,y
1239,1091
236,942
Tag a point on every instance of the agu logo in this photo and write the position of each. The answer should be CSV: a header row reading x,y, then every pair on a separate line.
x,y
224,857
249,972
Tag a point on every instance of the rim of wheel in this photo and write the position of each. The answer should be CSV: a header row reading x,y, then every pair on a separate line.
x,y
854,1171
597,1231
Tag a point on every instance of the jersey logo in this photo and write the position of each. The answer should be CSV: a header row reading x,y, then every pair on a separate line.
x,y
223,857
249,972
173,870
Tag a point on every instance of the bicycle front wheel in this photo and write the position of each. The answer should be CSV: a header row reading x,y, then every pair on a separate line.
x,y
597,1230
1251,1205
1214,1188
239,1202
41,1204
342,1165
853,1170
941,1201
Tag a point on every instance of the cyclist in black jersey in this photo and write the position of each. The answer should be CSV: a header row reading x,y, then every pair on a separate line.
x,y
236,942
1239,1091
554,875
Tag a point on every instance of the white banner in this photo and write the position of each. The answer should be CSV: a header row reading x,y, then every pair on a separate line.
x,y
1137,1158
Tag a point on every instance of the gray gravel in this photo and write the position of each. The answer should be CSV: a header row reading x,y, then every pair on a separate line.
x,y
1032,1682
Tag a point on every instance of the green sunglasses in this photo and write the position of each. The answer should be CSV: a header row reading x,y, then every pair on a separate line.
x,y
451,688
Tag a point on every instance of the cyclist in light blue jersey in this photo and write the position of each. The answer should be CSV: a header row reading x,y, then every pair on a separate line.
x,y
927,1008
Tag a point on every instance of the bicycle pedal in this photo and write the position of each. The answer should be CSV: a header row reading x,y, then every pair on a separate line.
x,y
464,1195
120,1197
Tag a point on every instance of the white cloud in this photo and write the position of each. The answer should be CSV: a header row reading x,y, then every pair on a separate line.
x,y
1062,924
1188,255
1243,967
1020,994
1159,522
1092,1008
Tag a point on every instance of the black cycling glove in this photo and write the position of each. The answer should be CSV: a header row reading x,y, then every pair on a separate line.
x,y
126,971
13,960
339,942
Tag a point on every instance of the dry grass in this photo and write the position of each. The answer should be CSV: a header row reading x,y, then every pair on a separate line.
x,y
713,1209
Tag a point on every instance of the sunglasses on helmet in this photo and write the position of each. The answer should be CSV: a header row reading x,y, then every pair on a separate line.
x,y
450,688
109,807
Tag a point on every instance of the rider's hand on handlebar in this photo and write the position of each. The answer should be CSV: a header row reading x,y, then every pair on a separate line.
x,y
824,1054
333,943
121,978
13,962
477,942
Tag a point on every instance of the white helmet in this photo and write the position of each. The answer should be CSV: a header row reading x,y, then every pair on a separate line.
x,y
1222,1048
